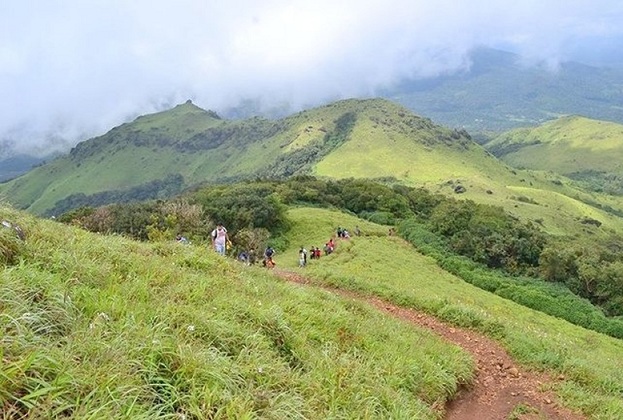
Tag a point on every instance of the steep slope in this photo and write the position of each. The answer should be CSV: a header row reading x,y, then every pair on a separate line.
x,y
101,326
98,326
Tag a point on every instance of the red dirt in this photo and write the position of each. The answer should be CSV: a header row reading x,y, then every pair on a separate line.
x,y
499,385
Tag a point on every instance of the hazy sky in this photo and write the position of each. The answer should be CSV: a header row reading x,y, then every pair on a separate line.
x,y
74,68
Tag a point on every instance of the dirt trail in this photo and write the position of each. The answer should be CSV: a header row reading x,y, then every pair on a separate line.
x,y
499,386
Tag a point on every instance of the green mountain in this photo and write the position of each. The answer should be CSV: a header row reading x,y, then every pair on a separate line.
x,y
186,145
161,154
500,92
580,148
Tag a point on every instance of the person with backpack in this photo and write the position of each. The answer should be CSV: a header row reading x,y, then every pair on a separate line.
x,y
268,261
219,239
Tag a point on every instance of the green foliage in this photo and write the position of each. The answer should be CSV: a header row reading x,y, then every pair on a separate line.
x,y
160,188
487,234
300,161
243,206
553,299
593,271
445,227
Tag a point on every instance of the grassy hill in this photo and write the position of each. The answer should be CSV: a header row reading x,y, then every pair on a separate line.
x,y
161,154
499,92
103,327
574,146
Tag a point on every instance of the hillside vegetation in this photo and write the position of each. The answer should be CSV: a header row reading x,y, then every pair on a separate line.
x,y
160,155
580,148
481,244
104,327
101,326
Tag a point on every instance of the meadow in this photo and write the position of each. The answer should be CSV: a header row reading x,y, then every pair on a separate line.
x,y
101,326
96,326
389,267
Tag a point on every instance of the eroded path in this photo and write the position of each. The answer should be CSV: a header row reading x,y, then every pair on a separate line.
x,y
500,386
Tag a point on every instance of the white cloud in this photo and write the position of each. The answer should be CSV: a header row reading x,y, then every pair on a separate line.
x,y
73,68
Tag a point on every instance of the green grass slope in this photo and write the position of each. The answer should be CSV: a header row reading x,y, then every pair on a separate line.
x,y
387,142
588,363
567,145
104,327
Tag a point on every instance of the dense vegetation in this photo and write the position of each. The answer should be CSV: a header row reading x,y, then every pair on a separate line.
x,y
484,236
157,189
300,160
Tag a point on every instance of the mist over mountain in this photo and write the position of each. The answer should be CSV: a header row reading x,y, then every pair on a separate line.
x,y
501,90
72,70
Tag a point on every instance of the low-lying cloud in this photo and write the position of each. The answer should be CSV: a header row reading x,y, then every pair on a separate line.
x,y
70,69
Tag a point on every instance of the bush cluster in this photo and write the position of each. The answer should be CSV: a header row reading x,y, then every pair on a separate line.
x,y
484,235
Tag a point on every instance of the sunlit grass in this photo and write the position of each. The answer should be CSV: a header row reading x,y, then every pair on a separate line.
x,y
104,327
589,362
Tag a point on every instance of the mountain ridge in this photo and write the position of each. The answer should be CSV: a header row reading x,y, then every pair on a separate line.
x,y
160,155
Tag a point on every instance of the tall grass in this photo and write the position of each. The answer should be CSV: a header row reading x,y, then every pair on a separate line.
x,y
589,364
104,327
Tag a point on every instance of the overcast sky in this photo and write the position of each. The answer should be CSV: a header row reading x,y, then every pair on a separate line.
x,y
75,68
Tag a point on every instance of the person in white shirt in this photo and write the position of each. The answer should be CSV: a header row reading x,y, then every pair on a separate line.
x,y
219,239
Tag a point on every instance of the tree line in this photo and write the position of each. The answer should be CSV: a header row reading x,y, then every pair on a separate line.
x,y
254,211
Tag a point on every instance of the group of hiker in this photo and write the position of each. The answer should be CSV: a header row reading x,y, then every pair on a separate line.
x,y
315,253
221,244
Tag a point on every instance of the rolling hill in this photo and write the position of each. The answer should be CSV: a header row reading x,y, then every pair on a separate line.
x,y
161,154
578,147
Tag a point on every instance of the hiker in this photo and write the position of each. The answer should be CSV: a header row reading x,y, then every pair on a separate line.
x,y
328,247
340,232
317,252
251,257
219,239
243,257
302,257
268,261
357,231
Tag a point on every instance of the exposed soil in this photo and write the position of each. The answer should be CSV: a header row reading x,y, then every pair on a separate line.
x,y
501,389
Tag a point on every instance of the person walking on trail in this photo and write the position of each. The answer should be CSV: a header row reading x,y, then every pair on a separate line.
x,y
268,261
302,257
219,239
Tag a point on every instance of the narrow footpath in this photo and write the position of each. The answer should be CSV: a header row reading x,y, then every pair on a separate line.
x,y
499,385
